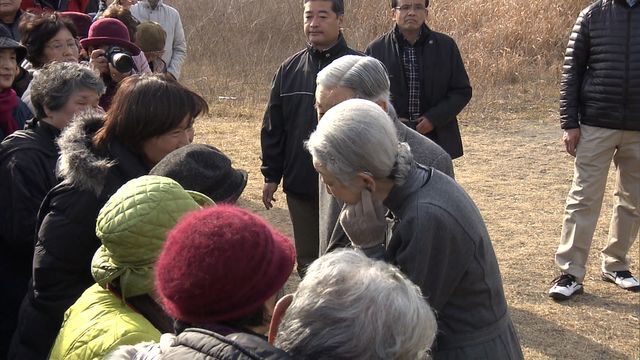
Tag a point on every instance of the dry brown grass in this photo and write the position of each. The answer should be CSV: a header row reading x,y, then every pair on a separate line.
x,y
514,167
235,46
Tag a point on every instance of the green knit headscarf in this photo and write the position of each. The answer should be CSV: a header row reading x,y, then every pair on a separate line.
x,y
133,226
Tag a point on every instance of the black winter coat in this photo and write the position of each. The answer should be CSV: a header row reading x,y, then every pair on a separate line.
x,y
444,84
66,239
27,172
601,75
196,343
291,117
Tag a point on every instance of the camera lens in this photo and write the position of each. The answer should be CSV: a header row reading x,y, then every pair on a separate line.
x,y
122,62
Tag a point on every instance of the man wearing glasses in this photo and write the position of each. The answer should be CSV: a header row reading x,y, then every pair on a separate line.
x,y
429,84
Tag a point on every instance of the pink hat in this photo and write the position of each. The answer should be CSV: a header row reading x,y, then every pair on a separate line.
x,y
82,22
221,263
109,31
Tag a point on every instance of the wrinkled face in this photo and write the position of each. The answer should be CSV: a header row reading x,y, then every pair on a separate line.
x,y
321,24
9,7
62,47
410,15
156,148
348,194
79,101
8,68
326,98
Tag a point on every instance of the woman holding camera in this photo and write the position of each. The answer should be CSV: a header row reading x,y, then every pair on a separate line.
x,y
111,54
98,154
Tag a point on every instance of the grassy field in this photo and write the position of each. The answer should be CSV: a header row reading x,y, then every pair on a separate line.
x,y
514,166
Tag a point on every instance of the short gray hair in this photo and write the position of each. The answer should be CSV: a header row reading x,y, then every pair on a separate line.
x,y
366,76
345,290
56,82
358,136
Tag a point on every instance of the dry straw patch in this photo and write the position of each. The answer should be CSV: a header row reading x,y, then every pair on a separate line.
x,y
514,167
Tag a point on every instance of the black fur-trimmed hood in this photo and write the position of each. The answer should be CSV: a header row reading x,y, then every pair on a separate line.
x,y
79,164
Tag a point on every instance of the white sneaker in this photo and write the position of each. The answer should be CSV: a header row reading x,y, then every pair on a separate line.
x,y
623,279
564,287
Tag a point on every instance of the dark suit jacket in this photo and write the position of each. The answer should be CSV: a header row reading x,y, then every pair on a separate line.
x,y
444,84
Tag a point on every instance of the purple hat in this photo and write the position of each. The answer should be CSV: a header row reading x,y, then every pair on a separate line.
x,y
109,32
80,20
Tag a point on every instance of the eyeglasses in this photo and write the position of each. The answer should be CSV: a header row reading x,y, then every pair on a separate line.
x,y
407,8
59,46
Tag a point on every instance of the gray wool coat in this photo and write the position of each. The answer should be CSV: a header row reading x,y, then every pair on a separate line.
x,y
441,243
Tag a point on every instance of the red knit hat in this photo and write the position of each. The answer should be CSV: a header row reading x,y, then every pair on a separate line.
x,y
221,263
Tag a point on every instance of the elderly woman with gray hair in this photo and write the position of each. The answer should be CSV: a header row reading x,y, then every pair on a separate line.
x,y
27,171
345,291
438,238
364,77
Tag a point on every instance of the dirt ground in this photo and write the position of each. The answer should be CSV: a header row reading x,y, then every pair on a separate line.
x,y
516,170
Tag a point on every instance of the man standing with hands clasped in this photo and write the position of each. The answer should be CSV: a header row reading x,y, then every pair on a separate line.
x,y
429,84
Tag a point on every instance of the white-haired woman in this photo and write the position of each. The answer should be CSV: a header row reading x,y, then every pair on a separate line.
x,y
343,291
438,240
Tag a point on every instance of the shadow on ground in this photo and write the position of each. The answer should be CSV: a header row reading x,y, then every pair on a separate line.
x,y
530,326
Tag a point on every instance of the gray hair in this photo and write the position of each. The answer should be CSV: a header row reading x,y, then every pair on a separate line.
x,y
366,76
345,290
357,136
56,82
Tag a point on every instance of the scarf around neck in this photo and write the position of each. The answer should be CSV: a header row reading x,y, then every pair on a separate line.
x,y
8,102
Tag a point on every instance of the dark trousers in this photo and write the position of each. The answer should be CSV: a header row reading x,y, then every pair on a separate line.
x,y
304,217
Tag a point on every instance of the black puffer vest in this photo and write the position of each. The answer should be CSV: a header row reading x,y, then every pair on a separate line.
x,y
601,77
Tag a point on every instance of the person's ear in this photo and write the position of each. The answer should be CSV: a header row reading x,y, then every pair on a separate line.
x,y
340,21
278,313
367,179
47,112
383,104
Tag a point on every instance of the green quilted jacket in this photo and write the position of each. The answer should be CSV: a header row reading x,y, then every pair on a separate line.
x,y
132,226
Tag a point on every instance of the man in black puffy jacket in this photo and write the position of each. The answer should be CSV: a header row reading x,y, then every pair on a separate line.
x,y
600,116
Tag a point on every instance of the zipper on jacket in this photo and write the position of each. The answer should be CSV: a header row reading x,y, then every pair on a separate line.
x,y
625,99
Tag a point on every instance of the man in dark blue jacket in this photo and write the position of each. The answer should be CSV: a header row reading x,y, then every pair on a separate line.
x,y
291,117
600,116
429,84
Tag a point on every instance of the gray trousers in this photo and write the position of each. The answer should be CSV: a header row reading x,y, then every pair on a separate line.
x,y
304,217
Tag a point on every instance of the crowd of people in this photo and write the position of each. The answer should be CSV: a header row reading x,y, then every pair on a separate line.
x,y
123,239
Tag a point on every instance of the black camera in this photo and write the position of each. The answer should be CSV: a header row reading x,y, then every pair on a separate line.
x,y
120,59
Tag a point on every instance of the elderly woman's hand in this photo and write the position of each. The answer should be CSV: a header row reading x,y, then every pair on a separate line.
x,y
98,61
365,223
